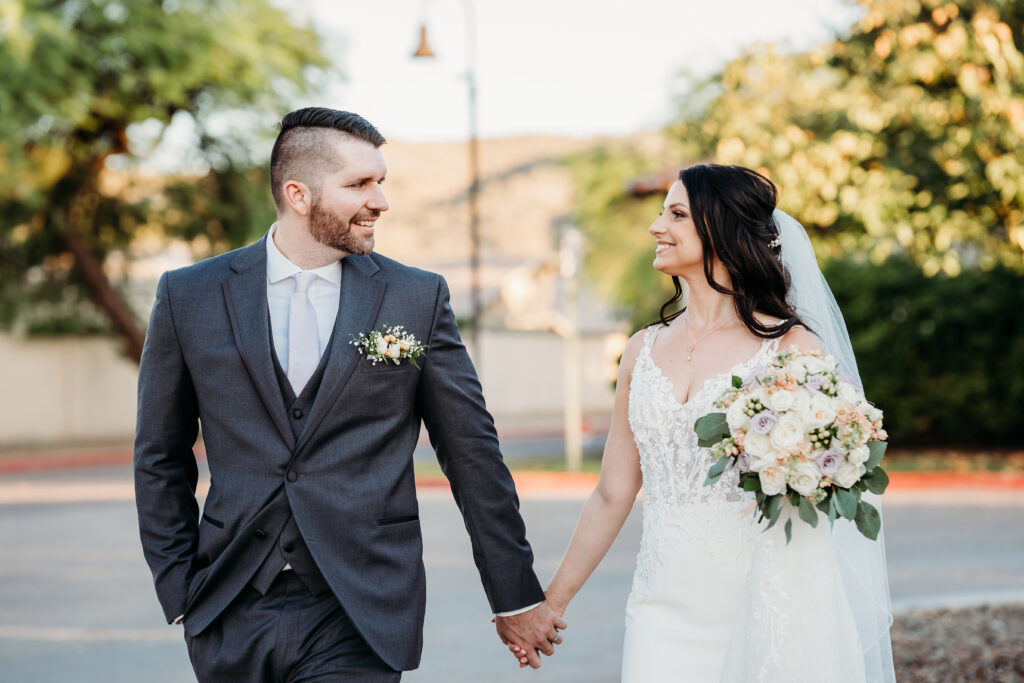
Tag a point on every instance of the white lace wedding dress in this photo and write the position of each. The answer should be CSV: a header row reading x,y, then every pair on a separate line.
x,y
715,598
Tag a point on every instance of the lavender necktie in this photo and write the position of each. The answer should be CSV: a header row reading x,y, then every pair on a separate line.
x,y
303,336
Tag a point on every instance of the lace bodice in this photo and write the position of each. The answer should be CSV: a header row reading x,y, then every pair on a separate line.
x,y
677,505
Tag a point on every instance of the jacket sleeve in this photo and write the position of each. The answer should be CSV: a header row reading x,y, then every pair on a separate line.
x,y
462,433
164,463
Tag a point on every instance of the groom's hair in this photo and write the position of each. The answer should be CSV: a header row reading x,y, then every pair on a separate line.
x,y
303,151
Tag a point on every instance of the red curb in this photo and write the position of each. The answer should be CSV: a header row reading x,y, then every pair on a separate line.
x,y
912,481
63,461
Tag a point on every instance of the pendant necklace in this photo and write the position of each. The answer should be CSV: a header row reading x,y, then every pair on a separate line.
x,y
686,326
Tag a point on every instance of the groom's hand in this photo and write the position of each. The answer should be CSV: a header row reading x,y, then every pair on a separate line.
x,y
533,631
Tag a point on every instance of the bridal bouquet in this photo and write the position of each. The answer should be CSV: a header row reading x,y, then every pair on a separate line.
x,y
799,431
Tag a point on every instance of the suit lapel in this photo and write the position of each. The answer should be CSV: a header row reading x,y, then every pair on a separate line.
x,y
245,294
361,296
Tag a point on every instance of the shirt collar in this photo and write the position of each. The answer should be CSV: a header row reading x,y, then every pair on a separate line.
x,y
280,268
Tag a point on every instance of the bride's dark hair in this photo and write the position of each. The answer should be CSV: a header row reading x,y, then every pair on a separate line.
x,y
732,210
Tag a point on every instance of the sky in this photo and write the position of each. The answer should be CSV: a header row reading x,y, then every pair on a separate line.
x,y
543,67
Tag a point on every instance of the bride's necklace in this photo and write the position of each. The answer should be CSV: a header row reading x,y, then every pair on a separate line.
x,y
693,344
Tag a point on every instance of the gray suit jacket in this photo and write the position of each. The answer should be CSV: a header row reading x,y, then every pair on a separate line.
x,y
347,478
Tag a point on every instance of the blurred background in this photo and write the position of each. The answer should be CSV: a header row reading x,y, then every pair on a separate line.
x,y
529,148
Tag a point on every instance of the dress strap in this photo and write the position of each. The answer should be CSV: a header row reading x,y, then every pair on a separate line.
x,y
650,334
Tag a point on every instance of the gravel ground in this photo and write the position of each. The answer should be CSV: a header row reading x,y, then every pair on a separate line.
x,y
959,645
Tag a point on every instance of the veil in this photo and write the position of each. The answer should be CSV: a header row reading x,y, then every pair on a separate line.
x,y
861,561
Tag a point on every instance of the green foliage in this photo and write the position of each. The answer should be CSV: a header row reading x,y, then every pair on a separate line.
x,y
87,90
711,429
942,356
619,250
905,136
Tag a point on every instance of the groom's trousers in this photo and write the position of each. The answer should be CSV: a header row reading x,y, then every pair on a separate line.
x,y
288,635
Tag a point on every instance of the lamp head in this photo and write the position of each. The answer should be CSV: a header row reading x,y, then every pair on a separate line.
x,y
424,49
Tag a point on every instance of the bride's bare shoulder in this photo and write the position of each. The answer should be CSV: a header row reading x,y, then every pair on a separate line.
x,y
799,337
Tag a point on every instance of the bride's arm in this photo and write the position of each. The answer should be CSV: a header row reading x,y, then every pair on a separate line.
x,y
609,504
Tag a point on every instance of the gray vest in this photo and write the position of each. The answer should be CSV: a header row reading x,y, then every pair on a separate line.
x,y
289,547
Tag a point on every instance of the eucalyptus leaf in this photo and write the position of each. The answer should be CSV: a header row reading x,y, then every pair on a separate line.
x,y
846,503
869,522
877,449
716,471
711,429
789,531
876,480
833,512
807,512
750,482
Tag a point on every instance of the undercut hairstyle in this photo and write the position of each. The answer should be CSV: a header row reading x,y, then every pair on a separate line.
x,y
732,207
303,151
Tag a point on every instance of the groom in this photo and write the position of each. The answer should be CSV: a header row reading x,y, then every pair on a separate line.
x,y
306,562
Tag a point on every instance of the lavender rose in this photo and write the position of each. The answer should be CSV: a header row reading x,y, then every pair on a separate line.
x,y
828,462
763,422
752,376
744,461
815,382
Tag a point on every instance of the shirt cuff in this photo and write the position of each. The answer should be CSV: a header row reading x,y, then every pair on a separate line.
x,y
179,620
517,611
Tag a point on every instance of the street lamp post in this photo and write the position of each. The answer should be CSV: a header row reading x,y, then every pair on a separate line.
x,y
424,51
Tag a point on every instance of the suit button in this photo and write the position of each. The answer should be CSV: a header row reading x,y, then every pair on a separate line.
x,y
261,534
292,476
297,414
288,547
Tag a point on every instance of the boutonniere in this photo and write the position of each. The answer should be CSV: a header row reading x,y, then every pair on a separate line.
x,y
389,345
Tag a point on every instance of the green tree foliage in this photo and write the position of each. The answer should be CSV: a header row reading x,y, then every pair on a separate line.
x,y
87,89
619,249
904,137
940,355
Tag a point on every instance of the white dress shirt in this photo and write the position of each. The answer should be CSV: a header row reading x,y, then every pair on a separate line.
x,y
325,293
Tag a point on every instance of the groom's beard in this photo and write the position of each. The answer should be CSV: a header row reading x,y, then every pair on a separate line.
x,y
333,231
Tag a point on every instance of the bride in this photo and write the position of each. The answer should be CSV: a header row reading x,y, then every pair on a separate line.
x,y
715,597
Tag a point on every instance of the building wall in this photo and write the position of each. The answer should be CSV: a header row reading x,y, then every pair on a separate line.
x,y
69,392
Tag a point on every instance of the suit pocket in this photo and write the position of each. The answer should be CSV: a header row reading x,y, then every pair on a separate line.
x,y
215,522
388,521
384,367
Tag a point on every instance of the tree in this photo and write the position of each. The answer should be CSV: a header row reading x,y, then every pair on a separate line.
x,y
87,90
904,137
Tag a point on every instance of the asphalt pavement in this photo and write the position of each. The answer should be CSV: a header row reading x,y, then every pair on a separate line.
x,y
77,604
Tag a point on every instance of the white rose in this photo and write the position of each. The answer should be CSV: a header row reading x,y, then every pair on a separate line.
x,y
773,481
757,445
848,474
859,455
788,432
781,401
801,400
849,394
798,371
804,478
815,365
382,346
735,416
820,411
872,413
396,351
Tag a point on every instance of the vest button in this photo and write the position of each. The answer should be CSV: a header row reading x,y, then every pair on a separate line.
x,y
297,414
261,534
292,476
288,547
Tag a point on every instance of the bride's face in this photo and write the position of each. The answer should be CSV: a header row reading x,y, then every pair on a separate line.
x,y
678,250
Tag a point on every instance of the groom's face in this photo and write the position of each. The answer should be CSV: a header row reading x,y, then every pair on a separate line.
x,y
344,211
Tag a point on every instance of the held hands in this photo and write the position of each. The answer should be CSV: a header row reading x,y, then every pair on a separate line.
x,y
530,633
